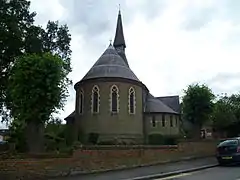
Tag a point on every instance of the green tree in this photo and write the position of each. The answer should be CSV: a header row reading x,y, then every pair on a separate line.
x,y
18,36
55,134
233,129
15,20
37,88
197,106
55,127
223,114
226,115
235,103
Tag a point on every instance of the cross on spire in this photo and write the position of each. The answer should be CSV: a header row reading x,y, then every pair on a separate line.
x,y
119,7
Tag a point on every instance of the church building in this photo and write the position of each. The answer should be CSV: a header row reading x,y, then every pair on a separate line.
x,y
112,104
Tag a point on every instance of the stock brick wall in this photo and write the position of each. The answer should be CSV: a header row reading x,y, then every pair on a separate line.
x,y
102,158
201,147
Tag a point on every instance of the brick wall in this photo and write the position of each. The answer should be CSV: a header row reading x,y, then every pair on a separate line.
x,y
201,147
145,154
98,158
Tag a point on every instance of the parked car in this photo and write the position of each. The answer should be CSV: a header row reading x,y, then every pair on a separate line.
x,y
228,151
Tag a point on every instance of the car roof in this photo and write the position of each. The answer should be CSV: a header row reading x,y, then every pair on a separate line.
x,y
233,138
238,138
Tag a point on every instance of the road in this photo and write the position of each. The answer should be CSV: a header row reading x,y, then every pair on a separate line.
x,y
144,171
217,173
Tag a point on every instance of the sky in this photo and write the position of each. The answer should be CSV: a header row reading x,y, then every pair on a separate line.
x,y
170,43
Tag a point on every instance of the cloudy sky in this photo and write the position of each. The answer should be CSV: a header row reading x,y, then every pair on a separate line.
x,y
170,43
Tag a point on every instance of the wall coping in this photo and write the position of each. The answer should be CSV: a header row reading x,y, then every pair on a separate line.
x,y
126,147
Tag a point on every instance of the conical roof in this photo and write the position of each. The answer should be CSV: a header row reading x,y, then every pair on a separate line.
x,y
119,37
119,41
155,105
110,64
71,116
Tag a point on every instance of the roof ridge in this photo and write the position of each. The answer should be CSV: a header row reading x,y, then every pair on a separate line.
x,y
167,96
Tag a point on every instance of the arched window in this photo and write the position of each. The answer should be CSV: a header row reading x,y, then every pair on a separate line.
x,y
153,121
80,103
131,101
171,121
95,99
163,120
114,99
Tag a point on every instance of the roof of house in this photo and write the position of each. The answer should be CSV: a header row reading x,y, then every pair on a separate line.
x,y
70,116
172,102
110,64
154,105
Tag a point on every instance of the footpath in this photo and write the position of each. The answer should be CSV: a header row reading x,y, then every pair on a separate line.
x,y
147,172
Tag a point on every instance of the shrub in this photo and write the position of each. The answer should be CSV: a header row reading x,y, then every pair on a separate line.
x,y
66,150
170,140
4,146
159,139
155,139
76,145
53,142
109,142
93,138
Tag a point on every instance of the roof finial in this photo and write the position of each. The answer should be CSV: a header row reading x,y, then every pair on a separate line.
x,y
119,8
110,41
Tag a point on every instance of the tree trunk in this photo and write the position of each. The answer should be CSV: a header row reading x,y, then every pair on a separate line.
x,y
35,137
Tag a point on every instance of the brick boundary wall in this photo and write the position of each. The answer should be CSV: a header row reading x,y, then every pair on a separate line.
x,y
92,158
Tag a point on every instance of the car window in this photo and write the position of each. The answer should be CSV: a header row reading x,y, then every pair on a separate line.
x,y
230,142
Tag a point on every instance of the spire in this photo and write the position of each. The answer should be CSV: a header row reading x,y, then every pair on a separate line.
x,y
119,40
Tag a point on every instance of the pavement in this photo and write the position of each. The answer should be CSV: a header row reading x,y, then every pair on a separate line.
x,y
217,173
145,172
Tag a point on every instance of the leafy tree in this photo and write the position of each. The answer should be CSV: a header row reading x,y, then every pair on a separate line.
x,y
233,129
55,134
197,106
55,127
37,88
15,20
235,103
18,36
226,115
223,114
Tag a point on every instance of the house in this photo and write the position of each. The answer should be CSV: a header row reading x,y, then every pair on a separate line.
x,y
112,102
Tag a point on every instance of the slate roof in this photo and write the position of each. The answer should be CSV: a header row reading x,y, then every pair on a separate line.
x,y
119,41
70,116
123,55
119,36
154,105
110,64
172,102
